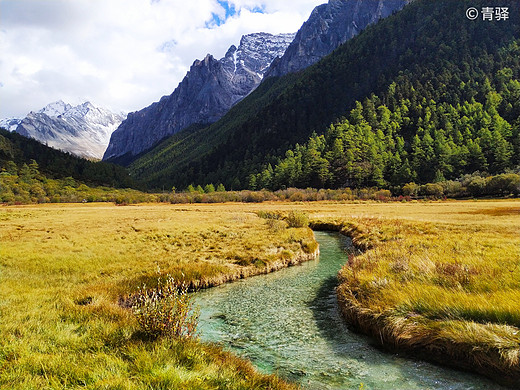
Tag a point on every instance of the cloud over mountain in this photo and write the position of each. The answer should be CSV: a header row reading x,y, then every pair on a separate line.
x,y
120,53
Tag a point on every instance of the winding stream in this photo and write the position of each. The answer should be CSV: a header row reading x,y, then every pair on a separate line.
x,y
288,323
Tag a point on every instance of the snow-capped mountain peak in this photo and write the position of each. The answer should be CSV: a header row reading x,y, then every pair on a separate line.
x,y
79,111
208,91
83,130
252,49
55,109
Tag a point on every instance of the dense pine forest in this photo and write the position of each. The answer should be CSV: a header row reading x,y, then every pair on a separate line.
x,y
405,138
440,98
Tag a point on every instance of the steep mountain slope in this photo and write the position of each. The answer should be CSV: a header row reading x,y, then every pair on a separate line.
x,y
208,91
329,26
390,143
83,130
432,43
17,151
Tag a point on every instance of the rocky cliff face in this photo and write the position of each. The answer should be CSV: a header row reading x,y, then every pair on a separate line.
x,y
329,26
208,91
83,130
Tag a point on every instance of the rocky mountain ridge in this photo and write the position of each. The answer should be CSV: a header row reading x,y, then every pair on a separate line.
x,y
329,26
207,92
212,86
82,130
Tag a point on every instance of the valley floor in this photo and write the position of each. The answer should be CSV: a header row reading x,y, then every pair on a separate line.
x,y
433,273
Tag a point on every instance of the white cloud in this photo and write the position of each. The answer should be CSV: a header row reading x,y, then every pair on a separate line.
x,y
122,54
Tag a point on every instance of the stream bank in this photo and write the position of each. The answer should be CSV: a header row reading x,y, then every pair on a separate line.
x,y
289,323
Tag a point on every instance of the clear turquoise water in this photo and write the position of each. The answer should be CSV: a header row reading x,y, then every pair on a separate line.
x,y
288,323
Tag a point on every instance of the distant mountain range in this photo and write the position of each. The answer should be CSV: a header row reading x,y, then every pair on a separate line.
x,y
422,96
208,91
83,130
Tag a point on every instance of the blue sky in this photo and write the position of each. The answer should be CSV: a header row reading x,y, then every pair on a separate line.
x,y
230,11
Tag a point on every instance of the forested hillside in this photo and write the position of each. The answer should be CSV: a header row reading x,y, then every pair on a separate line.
x,y
440,98
414,139
17,153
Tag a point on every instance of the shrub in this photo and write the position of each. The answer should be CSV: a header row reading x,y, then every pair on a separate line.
x,y
505,184
410,189
121,200
477,186
297,197
432,189
252,197
276,225
383,195
269,214
297,219
452,188
165,311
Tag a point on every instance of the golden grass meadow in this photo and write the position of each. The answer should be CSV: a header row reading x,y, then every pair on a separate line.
x,y
439,278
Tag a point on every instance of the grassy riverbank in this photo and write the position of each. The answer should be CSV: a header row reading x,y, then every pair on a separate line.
x,y
439,277
63,269
447,291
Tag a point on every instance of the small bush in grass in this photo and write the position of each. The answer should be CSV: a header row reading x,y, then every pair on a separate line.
x,y
269,214
297,197
504,185
297,219
411,189
383,195
166,311
477,186
452,188
432,189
